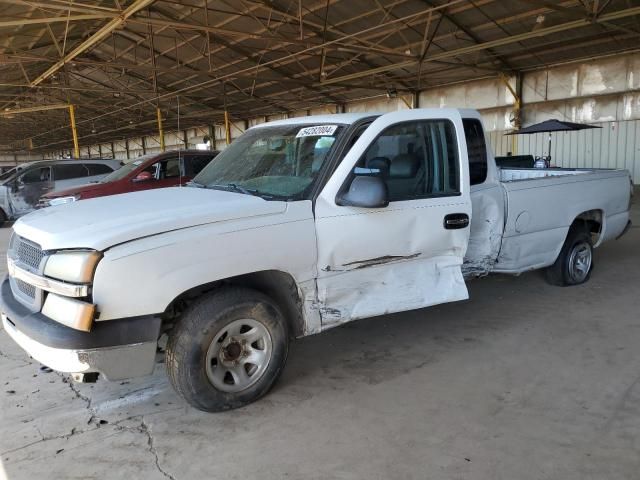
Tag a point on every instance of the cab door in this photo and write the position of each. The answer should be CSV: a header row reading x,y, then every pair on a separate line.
x,y
408,254
161,174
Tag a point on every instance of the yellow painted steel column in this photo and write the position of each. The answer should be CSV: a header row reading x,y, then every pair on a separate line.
x,y
227,127
74,131
160,130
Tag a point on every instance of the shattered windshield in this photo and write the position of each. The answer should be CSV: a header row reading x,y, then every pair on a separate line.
x,y
280,162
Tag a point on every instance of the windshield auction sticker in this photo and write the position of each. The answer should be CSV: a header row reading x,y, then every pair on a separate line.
x,y
319,131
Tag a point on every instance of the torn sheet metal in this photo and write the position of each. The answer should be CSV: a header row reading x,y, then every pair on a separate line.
x,y
487,225
381,289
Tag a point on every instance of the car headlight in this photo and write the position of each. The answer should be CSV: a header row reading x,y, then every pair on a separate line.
x,y
73,266
62,200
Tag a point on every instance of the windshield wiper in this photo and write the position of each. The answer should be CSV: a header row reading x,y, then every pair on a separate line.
x,y
236,188
195,184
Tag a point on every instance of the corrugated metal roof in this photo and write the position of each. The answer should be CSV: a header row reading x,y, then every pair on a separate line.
x,y
270,57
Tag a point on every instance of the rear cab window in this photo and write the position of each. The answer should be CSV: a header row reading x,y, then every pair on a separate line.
x,y
476,150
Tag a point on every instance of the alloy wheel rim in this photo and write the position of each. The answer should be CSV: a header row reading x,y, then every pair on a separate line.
x,y
239,355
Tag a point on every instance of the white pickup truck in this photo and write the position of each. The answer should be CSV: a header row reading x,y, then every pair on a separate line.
x,y
300,225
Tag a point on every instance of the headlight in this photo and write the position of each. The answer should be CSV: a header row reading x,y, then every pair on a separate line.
x,y
72,266
61,200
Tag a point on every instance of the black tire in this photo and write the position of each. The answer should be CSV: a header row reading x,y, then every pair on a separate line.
x,y
193,337
3,218
561,272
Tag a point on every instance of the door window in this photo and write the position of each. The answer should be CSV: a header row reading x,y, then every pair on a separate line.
x,y
98,169
415,159
69,170
36,175
170,168
476,150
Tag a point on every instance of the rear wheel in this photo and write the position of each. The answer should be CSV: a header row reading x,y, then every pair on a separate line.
x,y
575,262
228,349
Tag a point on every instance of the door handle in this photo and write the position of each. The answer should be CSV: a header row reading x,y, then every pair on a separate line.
x,y
454,221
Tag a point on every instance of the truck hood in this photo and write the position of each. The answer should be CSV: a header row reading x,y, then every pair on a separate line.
x,y
100,223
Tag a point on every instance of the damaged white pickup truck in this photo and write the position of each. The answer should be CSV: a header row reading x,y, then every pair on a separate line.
x,y
298,226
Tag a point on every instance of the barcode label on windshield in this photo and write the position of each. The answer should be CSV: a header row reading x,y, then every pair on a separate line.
x,y
319,131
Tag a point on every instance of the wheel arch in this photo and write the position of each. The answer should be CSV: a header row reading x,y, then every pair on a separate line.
x,y
280,286
592,220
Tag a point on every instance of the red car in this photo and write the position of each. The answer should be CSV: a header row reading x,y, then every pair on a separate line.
x,y
156,170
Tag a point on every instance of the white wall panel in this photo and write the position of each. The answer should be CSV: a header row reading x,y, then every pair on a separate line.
x,y
375,105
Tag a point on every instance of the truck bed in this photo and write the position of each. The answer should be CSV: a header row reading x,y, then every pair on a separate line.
x,y
541,204
518,174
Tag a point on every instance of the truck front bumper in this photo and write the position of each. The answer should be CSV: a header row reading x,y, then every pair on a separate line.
x,y
117,349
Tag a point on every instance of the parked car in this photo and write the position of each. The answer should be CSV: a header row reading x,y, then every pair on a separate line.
x,y
300,225
154,170
21,189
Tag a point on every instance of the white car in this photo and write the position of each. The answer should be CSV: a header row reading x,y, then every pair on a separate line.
x,y
22,187
299,226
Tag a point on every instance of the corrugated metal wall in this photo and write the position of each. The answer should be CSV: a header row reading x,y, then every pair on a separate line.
x,y
615,145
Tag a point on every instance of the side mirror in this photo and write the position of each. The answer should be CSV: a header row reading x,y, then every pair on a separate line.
x,y
365,192
143,176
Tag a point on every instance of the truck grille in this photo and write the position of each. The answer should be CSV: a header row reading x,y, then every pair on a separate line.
x,y
27,289
27,252
29,256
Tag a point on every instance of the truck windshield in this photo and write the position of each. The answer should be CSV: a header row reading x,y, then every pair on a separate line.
x,y
127,168
280,162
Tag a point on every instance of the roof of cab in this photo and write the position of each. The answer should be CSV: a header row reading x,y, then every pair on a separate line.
x,y
340,118
349,118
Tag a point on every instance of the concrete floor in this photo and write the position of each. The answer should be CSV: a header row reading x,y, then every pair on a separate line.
x,y
525,381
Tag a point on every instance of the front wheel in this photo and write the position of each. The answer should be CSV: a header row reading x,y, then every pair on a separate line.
x,y
575,262
228,349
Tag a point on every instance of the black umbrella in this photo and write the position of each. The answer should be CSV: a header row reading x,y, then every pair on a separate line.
x,y
549,126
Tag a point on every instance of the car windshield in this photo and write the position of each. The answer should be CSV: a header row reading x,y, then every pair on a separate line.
x,y
7,174
280,162
126,169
